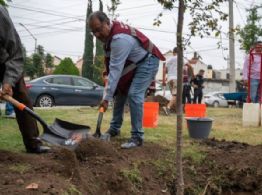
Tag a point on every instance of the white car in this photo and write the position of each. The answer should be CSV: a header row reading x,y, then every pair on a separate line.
x,y
215,99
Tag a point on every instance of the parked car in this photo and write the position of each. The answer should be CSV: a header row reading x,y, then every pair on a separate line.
x,y
56,90
215,99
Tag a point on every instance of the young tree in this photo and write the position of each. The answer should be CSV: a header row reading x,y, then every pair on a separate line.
x,y
87,68
66,67
250,33
205,17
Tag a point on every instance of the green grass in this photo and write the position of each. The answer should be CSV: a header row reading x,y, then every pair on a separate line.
x,y
72,190
227,125
133,175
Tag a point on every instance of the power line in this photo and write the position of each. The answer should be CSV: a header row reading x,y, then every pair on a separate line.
x,y
47,13
53,26
52,32
42,10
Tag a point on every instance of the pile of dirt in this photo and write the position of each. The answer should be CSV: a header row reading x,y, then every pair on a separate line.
x,y
229,168
95,167
98,167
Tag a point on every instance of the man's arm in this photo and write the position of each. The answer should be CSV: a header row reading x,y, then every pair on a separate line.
x,y
12,49
120,49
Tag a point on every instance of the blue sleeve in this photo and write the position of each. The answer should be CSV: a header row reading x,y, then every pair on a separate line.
x,y
120,49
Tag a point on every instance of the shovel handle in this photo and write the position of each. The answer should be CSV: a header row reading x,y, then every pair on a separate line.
x,y
101,109
16,103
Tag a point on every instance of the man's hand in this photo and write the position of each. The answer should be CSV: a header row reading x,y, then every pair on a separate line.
x,y
104,104
7,90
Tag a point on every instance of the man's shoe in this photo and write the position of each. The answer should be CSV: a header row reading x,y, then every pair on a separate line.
x,y
132,143
39,150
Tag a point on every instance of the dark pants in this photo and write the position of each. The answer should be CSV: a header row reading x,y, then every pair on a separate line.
x,y
198,94
186,97
27,125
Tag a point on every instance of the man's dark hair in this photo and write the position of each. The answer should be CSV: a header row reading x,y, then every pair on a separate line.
x,y
201,70
101,16
175,50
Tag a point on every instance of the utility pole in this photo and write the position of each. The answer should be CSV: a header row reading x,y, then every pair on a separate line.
x,y
232,80
30,34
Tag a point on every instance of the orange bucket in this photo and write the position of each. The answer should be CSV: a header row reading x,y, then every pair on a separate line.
x,y
151,114
195,110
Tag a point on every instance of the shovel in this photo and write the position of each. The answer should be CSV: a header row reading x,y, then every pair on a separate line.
x,y
99,122
59,132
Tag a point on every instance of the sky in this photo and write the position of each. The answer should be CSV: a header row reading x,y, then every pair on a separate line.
x,y
59,26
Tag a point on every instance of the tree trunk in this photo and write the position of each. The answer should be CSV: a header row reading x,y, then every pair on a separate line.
x,y
179,165
87,68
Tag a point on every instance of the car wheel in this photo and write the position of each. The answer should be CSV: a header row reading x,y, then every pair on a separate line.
x,y
45,101
216,104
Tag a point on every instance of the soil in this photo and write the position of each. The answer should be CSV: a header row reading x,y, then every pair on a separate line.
x,y
98,167
229,168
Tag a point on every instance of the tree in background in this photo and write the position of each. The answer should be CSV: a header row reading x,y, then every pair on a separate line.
x,y
2,2
38,61
66,67
99,57
40,50
38,64
251,32
113,8
87,68
49,61
30,69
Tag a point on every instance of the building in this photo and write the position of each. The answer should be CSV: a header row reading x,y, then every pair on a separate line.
x,y
79,64
56,62
238,74
212,85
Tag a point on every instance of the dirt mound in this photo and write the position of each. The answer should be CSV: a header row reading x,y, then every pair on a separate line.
x,y
98,167
93,148
95,167
229,168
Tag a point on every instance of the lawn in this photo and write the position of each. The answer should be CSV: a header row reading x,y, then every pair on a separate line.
x,y
227,125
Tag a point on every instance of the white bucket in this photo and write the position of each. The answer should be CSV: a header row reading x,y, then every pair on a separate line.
x,y
251,115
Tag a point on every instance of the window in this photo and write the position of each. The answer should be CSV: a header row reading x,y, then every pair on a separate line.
x,y
61,80
82,82
50,80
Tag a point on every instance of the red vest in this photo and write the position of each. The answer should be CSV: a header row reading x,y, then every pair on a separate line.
x,y
129,68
